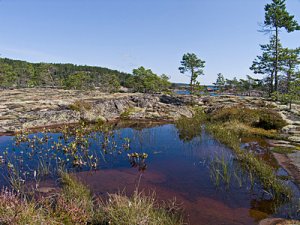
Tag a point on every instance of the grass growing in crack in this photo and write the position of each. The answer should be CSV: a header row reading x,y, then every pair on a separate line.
x,y
80,105
130,111
283,150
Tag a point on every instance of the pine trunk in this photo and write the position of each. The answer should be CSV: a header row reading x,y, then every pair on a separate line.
x,y
276,61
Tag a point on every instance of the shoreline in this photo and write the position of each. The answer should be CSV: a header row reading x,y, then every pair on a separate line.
x,y
34,109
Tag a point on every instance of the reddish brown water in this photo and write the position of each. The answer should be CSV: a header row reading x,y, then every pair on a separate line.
x,y
181,167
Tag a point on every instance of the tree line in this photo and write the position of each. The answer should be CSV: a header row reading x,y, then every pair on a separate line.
x,y
279,64
22,74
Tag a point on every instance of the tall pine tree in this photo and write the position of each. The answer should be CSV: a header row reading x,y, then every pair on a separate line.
x,y
276,18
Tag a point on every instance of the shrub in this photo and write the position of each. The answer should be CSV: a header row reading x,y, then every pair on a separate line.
x,y
74,205
260,118
15,209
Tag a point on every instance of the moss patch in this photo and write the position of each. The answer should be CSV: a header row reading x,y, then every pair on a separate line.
x,y
130,111
80,105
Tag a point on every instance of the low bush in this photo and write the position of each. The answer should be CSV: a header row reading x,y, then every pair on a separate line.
x,y
15,209
243,130
261,118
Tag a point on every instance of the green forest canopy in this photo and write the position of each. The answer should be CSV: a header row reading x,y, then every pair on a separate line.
x,y
17,73
21,74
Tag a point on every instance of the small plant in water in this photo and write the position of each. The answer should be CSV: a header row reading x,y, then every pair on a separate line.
x,y
220,168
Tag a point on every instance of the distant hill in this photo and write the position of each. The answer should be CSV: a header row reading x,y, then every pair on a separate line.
x,y
17,73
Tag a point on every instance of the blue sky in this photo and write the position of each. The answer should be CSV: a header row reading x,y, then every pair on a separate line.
x,y
126,34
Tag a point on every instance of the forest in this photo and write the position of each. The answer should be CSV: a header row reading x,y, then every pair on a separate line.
x,y
22,74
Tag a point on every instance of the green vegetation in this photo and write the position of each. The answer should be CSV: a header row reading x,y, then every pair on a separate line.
x,y
279,64
74,204
248,131
140,209
144,80
277,17
259,118
192,64
78,105
17,210
129,111
229,125
276,62
283,150
16,73
189,128
220,169
253,165
220,82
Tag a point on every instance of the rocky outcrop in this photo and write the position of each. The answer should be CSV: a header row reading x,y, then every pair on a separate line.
x,y
29,108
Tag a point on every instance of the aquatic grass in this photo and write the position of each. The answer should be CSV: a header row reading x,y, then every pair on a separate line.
x,y
220,169
71,149
15,178
44,168
249,162
215,174
238,179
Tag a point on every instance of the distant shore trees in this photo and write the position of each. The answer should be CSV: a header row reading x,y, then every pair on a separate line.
x,y
144,80
21,74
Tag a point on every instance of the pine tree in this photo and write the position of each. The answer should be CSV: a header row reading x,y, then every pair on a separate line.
x,y
276,18
192,64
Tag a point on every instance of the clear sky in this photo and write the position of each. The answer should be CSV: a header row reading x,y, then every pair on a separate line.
x,y
126,34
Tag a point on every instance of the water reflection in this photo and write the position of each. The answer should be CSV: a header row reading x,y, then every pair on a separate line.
x,y
173,160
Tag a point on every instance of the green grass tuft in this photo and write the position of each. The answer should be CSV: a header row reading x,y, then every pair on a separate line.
x,y
249,162
139,209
